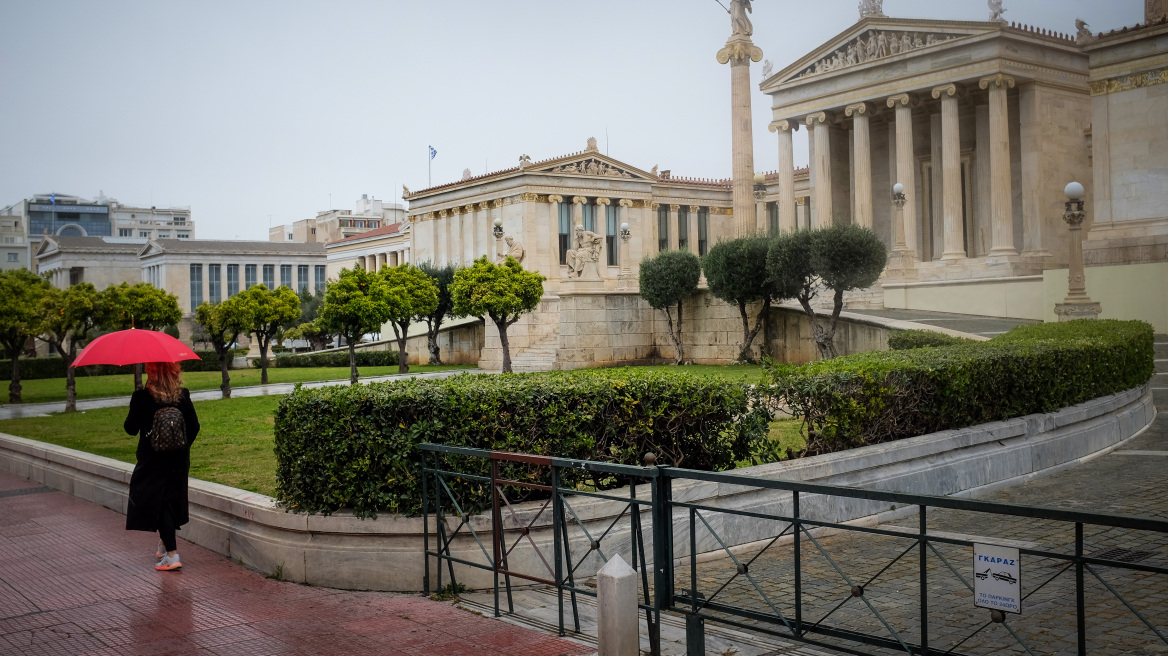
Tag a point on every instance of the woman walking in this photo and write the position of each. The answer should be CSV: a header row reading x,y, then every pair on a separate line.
x,y
164,419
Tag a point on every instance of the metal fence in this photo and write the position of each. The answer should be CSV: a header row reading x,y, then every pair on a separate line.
x,y
1086,582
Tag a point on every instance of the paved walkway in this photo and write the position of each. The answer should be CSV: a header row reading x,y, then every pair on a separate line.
x,y
272,389
966,323
73,581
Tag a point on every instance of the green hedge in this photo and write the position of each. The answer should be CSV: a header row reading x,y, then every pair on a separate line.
x,y
40,368
870,398
332,359
901,340
354,447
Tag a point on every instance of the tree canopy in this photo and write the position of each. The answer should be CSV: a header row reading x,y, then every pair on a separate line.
x,y
141,306
442,278
503,292
68,318
736,271
418,296
666,279
356,304
21,292
222,324
269,311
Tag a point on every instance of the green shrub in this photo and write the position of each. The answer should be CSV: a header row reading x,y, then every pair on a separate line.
x,y
40,368
332,359
902,340
870,398
354,447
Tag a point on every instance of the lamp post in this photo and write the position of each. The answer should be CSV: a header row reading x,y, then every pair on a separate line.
x,y
760,190
1077,305
623,278
498,231
898,199
902,259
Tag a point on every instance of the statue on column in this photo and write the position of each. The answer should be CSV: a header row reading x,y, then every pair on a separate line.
x,y
996,10
514,249
871,8
739,21
587,249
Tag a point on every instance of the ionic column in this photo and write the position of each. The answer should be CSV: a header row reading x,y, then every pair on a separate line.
x,y
454,237
577,212
821,168
739,52
1001,192
786,201
674,233
382,260
905,168
693,229
862,156
760,213
800,211
953,238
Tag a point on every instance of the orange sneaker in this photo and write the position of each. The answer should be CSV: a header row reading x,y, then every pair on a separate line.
x,y
169,563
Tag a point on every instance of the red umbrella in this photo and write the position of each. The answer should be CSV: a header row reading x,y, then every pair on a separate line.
x,y
132,347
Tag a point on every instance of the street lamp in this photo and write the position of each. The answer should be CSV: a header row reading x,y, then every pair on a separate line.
x,y
624,278
498,229
1077,305
898,199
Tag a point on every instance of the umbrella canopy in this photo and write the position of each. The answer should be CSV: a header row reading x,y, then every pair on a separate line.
x,y
132,347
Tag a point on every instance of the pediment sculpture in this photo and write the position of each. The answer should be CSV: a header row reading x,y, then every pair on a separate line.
x,y
872,45
591,167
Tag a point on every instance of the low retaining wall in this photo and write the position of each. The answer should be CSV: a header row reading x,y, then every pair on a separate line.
x,y
344,552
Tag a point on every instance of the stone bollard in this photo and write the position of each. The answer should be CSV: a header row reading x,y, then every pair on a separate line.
x,y
618,622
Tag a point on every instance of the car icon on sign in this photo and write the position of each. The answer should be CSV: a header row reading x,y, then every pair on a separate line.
x,y
1003,576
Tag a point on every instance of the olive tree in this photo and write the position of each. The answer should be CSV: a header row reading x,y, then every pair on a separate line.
x,y
736,271
21,292
68,317
442,278
269,310
419,296
839,258
141,306
504,292
222,324
666,280
359,302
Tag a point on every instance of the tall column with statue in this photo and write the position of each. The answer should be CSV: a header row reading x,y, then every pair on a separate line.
x,y
739,52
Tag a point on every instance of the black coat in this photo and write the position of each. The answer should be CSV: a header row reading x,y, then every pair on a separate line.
x,y
159,479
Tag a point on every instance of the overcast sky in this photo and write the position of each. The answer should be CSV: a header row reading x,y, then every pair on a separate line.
x,y
253,111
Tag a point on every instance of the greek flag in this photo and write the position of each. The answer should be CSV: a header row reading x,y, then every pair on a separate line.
x,y
433,153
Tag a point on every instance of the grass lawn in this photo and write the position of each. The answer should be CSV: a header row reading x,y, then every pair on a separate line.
x,y
89,387
234,446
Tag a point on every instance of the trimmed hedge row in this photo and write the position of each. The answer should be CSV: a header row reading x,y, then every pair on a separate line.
x,y
334,359
902,340
870,398
354,447
40,368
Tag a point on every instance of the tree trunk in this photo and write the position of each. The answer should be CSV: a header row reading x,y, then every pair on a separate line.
x,y
263,358
225,387
14,386
352,363
399,331
70,379
502,326
432,328
823,338
675,333
138,376
748,334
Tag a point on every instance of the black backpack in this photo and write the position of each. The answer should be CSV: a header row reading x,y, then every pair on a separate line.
x,y
169,431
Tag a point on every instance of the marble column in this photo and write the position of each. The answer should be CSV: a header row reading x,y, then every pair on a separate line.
x,y
1001,191
382,260
800,211
577,213
821,168
862,158
674,233
953,236
762,223
905,169
739,52
1032,126
786,200
693,229
601,218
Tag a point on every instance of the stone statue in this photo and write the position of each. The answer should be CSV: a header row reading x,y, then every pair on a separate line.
x,y
996,10
587,249
466,174
1154,10
405,191
514,249
1084,29
871,8
767,67
524,161
739,21
592,145
653,171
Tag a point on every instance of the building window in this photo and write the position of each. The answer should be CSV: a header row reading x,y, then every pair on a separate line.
x,y
196,286
565,231
214,281
286,275
301,278
662,228
321,280
683,228
289,236
14,257
144,234
589,216
164,235
76,275
183,235
125,232
314,231
610,233
703,230
773,219
270,276
232,280
249,276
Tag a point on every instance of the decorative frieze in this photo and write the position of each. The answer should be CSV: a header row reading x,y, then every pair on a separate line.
x,y
591,166
1128,82
878,44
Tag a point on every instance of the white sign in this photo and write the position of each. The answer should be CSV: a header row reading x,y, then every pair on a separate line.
x,y
997,578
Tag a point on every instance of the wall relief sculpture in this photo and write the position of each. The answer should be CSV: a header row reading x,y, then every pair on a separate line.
x,y
591,167
873,45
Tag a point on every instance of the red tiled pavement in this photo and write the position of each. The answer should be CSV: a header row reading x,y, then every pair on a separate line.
x,y
73,581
